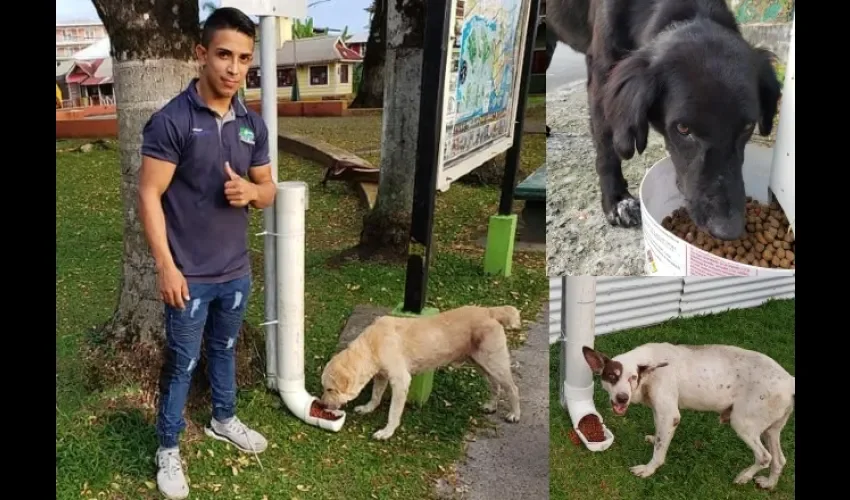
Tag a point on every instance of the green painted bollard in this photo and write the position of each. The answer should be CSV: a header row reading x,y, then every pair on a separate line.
x,y
499,254
421,385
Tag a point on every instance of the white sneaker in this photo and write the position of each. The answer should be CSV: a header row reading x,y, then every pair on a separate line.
x,y
237,434
169,476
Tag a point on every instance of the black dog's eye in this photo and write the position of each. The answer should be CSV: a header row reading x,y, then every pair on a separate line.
x,y
683,129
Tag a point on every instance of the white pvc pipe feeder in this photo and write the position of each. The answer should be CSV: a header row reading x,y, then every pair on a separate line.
x,y
284,231
578,324
268,103
782,173
290,212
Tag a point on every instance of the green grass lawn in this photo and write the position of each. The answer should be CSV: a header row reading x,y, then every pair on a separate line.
x,y
106,441
704,456
362,134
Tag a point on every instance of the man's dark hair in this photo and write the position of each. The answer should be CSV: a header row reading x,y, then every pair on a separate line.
x,y
227,18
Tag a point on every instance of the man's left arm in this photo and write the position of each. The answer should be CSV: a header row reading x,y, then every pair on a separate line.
x,y
260,171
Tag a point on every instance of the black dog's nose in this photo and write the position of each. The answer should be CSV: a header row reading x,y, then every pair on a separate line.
x,y
727,229
726,233
622,398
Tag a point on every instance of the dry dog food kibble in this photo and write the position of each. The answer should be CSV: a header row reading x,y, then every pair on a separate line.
x,y
768,242
591,427
317,411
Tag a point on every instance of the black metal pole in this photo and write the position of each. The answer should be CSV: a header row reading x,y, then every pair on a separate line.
x,y
513,154
434,57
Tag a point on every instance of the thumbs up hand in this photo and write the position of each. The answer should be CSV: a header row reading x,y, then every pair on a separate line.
x,y
229,171
238,191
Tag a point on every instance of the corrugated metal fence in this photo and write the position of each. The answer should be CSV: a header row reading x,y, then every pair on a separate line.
x,y
629,302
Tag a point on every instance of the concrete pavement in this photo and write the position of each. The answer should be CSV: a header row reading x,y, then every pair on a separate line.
x,y
513,462
567,66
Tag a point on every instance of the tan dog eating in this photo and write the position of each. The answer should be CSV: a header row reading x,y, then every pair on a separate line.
x,y
391,350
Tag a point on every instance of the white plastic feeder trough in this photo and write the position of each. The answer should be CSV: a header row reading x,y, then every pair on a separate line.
x,y
288,365
767,171
578,319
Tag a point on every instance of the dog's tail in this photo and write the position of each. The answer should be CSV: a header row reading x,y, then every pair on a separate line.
x,y
508,316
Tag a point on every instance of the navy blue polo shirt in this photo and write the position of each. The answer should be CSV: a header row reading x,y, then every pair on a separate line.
x,y
207,236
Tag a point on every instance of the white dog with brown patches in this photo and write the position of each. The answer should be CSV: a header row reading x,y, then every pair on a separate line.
x,y
391,350
748,389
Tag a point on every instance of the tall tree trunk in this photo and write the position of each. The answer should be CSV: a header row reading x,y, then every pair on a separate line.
x,y
371,91
152,54
386,229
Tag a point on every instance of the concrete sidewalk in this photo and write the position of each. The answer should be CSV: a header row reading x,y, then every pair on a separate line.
x,y
513,462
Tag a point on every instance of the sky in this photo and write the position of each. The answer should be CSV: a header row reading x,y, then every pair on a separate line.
x,y
335,14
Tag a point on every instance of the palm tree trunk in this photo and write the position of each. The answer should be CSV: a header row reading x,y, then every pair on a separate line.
x,y
371,91
386,228
152,53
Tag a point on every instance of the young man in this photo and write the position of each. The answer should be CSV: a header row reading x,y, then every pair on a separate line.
x,y
194,208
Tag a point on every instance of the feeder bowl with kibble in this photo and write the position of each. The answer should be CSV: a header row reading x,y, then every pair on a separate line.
x,y
768,177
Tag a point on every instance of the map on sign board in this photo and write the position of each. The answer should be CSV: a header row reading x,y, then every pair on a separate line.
x,y
484,66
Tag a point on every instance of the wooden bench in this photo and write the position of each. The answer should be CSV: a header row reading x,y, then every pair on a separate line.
x,y
532,191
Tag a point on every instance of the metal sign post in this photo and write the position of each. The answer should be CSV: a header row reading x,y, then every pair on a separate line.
x,y
434,57
480,111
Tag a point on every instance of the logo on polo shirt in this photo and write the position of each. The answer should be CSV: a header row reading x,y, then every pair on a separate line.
x,y
246,135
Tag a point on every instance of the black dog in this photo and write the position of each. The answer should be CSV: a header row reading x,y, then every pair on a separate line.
x,y
683,68
551,44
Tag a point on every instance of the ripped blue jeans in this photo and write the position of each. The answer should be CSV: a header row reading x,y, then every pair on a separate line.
x,y
213,312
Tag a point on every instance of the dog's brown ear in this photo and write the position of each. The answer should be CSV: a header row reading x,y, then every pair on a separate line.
x,y
647,369
596,360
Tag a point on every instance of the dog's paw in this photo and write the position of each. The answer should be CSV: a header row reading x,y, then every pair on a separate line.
x,y
650,439
743,478
363,409
512,417
383,434
489,407
642,470
765,483
625,213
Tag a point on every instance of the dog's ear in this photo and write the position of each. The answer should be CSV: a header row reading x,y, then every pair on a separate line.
x,y
647,369
596,360
770,90
629,94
